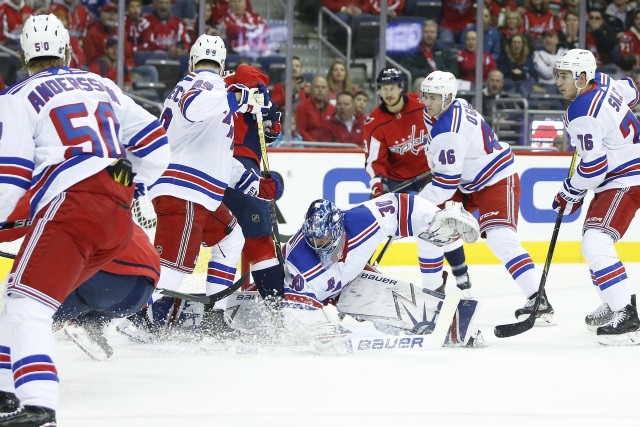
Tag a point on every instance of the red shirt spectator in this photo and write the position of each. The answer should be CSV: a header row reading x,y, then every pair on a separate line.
x,y
394,7
135,25
100,31
630,41
221,7
166,31
246,32
14,13
496,7
315,111
336,6
467,60
538,19
106,66
457,15
344,126
78,17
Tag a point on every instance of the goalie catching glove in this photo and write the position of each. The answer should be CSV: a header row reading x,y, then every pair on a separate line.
x,y
450,224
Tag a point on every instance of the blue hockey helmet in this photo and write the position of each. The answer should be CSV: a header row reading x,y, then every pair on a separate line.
x,y
390,76
323,228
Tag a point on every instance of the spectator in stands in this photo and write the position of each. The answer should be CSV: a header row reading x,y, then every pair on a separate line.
x,y
301,87
135,25
544,60
106,65
515,62
166,32
514,25
77,53
570,31
498,10
339,81
100,31
570,6
343,126
361,103
185,9
346,10
456,16
315,111
619,15
605,39
430,56
491,41
221,7
394,7
13,13
247,32
78,18
538,18
467,59
630,41
94,6
494,89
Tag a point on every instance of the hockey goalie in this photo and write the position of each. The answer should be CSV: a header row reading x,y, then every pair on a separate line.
x,y
327,259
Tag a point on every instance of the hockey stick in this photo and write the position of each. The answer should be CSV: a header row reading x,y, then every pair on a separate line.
x,y
512,329
275,234
423,175
208,299
7,255
19,223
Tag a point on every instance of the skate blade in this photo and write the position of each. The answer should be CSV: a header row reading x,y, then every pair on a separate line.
x,y
90,348
630,338
594,328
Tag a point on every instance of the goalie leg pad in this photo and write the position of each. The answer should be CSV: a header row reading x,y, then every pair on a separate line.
x,y
463,324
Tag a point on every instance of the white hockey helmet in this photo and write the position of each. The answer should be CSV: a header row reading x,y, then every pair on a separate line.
x,y
209,48
44,35
441,83
578,61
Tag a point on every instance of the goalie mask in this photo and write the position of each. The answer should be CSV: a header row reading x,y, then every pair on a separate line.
x,y
323,230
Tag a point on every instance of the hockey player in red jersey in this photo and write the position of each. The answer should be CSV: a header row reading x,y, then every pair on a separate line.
x,y
77,147
254,215
394,150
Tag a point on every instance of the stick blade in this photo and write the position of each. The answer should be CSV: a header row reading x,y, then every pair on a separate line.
x,y
513,329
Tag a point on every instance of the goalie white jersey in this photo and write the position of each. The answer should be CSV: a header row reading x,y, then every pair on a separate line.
x,y
463,153
63,125
607,135
308,282
198,117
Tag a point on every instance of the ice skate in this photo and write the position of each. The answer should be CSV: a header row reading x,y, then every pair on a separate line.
x,y
30,416
215,324
544,316
8,402
91,339
624,327
139,328
598,317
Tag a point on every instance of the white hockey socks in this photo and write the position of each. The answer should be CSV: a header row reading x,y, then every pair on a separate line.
x,y
504,244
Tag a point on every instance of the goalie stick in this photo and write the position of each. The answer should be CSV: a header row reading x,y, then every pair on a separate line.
x,y
208,299
512,329
7,255
402,186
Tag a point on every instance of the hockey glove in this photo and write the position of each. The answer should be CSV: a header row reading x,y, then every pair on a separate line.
x,y
272,126
270,187
450,224
378,188
569,199
259,100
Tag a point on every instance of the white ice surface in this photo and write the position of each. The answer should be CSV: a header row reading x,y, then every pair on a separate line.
x,y
554,376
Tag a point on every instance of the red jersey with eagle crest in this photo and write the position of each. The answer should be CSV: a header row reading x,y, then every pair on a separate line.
x,y
394,142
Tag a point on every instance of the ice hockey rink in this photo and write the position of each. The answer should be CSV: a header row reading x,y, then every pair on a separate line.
x,y
554,376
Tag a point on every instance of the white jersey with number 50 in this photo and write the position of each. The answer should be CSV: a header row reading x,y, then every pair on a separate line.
x,y
463,153
607,135
63,125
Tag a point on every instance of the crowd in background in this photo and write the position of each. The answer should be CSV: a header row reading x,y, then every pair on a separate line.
x,y
522,39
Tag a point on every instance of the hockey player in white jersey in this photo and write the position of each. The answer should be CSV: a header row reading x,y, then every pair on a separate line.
x,y
607,135
64,136
333,247
198,118
471,166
